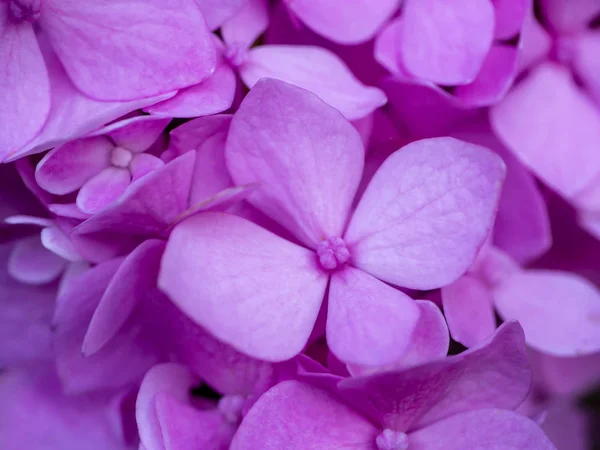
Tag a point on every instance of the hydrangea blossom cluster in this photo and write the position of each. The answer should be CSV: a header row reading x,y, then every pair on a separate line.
x,y
299,224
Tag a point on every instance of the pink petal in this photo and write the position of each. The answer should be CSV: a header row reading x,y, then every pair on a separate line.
x,y
31,263
72,114
140,135
37,414
510,15
297,416
485,429
247,25
536,43
586,61
212,96
343,22
368,322
103,189
559,311
426,213
493,80
543,130
55,239
446,42
317,70
134,278
469,311
429,342
571,16
495,375
306,157
67,167
108,59
252,289
25,89
143,164
150,205
216,12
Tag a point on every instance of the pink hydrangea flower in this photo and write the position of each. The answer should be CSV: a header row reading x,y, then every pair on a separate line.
x,y
433,197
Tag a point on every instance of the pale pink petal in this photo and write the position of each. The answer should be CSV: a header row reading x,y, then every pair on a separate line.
x,y
429,342
542,130
140,135
343,22
212,96
315,69
29,220
446,42
31,263
66,168
368,322
55,239
150,204
587,66
216,12
493,80
426,213
144,163
485,429
134,278
495,375
297,416
247,25
25,89
559,311
73,114
569,16
307,158
108,59
251,289
469,310
103,189
510,15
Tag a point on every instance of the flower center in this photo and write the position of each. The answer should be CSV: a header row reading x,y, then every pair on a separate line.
x,y
24,10
392,440
121,157
230,407
235,55
332,253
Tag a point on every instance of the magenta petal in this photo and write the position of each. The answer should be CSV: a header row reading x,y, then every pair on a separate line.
x,y
31,263
536,43
134,278
569,16
67,168
534,125
296,416
108,59
247,25
344,22
587,48
317,70
368,322
55,239
559,311
307,158
216,12
568,376
495,375
446,42
426,213
103,189
150,204
212,96
144,163
140,135
510,15
493,80
469,311
252,289
25,89
485,429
